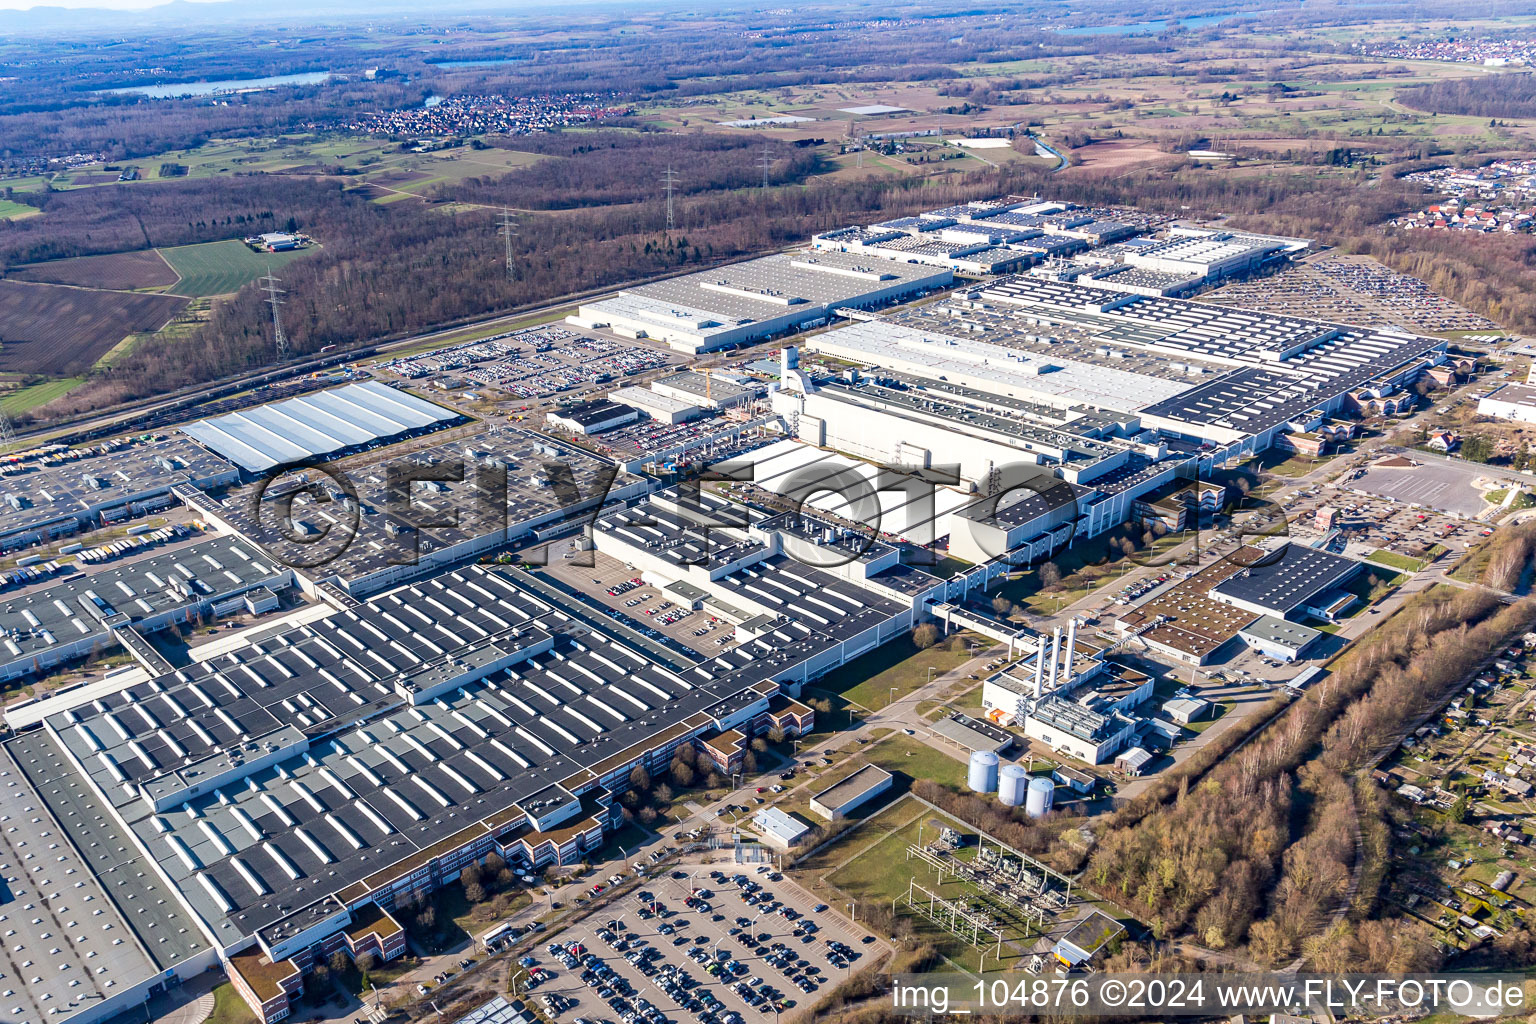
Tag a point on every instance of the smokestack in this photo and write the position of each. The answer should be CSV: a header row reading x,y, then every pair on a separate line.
x,y
1055,656
1039,664
1066,668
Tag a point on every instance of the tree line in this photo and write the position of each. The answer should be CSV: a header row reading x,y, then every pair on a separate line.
x,y
1492,96
390,270
1271,885
612,167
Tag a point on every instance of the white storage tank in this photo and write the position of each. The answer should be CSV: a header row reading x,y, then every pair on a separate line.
x,y
1042,792
983,774
1012,780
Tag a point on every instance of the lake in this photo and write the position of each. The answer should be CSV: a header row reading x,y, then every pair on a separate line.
x,y
1144,27
177,90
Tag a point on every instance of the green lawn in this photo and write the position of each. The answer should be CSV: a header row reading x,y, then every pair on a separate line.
x,y
1496,497
1381,556
217,268
229,1007
867,679
23,399
912,757
16,211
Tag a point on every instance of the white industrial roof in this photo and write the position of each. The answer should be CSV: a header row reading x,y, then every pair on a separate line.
x,y
647,400
314,425
1017,371
788,829
820,478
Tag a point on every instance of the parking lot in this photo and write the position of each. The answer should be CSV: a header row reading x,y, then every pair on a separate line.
x,y
1437,483
1353,290
737,947
1367,521
538,362
614,585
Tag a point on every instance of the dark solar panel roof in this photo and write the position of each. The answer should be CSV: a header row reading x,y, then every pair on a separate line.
x,y
1288,581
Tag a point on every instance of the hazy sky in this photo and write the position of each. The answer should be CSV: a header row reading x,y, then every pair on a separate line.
x,y
116,5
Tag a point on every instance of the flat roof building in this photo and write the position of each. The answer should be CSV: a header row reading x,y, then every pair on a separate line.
x,y
96,612
593,417
853,792
756,299
1278,638
708,390
1292,581
780,830
62,491
286,787
659,407
971,734
474,495
1087,939
1212,256
1510,402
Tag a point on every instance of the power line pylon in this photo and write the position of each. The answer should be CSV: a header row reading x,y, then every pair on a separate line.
x,y
279,339
508,232
669,182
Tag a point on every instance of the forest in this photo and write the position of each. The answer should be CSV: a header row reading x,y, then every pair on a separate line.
x,y
1491,96
385,271
604,168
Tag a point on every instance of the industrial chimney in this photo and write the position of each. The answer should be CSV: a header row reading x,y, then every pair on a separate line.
x,y
1055,657
1066,668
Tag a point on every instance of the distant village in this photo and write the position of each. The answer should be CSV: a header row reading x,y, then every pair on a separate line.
x,y
1498,197
475,114
1489,52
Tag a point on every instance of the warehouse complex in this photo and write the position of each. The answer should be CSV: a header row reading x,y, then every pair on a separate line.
x,y
435,662
56,492
467,498
758,299
313,426
291,791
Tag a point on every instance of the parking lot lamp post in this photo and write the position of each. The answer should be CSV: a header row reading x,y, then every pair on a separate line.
x,y
893,695
513,981
931,670
853,910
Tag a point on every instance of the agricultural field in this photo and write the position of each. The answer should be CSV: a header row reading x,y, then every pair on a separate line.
x,y
218,268
58,331
15,211
30,396
387,170
122,271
